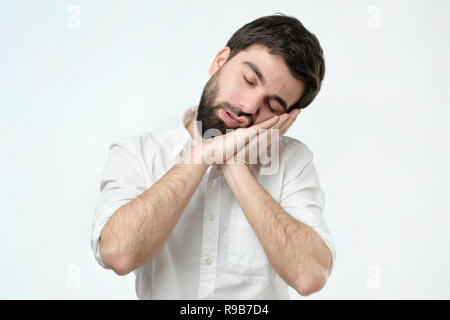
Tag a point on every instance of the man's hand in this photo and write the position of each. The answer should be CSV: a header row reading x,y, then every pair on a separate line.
x,y
236,146
261,142
218,149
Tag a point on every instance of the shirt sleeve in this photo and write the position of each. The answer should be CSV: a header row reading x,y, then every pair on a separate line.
x,y
121,182
303,198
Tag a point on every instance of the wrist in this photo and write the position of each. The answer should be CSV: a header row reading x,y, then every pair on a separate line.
x,y
234,169
194,156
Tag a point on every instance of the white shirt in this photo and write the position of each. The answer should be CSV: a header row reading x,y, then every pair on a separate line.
x,y
212,252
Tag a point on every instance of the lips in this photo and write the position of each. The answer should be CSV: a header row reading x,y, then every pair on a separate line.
x,y
229,118
232,115
243,121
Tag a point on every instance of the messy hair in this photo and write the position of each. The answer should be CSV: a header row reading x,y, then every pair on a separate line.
x,y
287,37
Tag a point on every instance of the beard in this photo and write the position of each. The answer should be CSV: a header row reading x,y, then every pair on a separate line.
x,y
208,108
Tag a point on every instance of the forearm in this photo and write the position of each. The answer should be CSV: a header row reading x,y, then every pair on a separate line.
x,y
138,230
295,251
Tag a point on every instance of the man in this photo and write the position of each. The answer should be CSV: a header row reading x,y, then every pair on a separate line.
x,y
204,228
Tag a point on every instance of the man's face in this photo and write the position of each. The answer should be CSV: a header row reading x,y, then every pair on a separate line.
x,y
250,88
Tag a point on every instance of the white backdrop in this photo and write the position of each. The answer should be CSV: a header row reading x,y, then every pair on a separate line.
x,y
76,75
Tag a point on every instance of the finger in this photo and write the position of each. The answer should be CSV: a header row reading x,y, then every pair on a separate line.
x,y
242,154
254,130
251,151
294,112
266,124
264,140
289,121
286,125
241,134
283,118
280,122
285,122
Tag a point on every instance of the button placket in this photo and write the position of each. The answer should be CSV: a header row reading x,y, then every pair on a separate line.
x,y
210,235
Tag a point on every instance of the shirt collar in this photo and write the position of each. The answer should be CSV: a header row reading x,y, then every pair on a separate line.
x,y
185,139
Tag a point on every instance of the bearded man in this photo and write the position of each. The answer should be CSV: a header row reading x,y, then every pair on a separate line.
x,y
189,212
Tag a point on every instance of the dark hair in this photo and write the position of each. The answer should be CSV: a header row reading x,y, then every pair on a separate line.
x,y
286,36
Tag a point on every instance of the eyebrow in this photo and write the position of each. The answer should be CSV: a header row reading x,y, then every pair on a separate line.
x,y
263,81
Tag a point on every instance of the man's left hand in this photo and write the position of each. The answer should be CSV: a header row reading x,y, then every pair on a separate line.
x,y
261,142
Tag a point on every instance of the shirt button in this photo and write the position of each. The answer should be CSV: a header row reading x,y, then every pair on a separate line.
x,y
211,217
208,261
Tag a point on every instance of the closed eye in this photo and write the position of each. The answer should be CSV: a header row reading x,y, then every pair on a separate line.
x,y
268,104
250,83
267,101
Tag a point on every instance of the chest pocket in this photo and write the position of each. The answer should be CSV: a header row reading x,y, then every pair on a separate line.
x,y
244,250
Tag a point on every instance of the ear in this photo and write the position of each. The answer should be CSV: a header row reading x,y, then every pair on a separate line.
x,y
219,60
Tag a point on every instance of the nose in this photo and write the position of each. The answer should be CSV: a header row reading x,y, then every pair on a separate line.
x,y
249,104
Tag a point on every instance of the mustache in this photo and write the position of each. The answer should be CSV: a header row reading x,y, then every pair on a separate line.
x,y
236,110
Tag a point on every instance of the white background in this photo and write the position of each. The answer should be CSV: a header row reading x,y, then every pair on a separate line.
x,y
379,130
